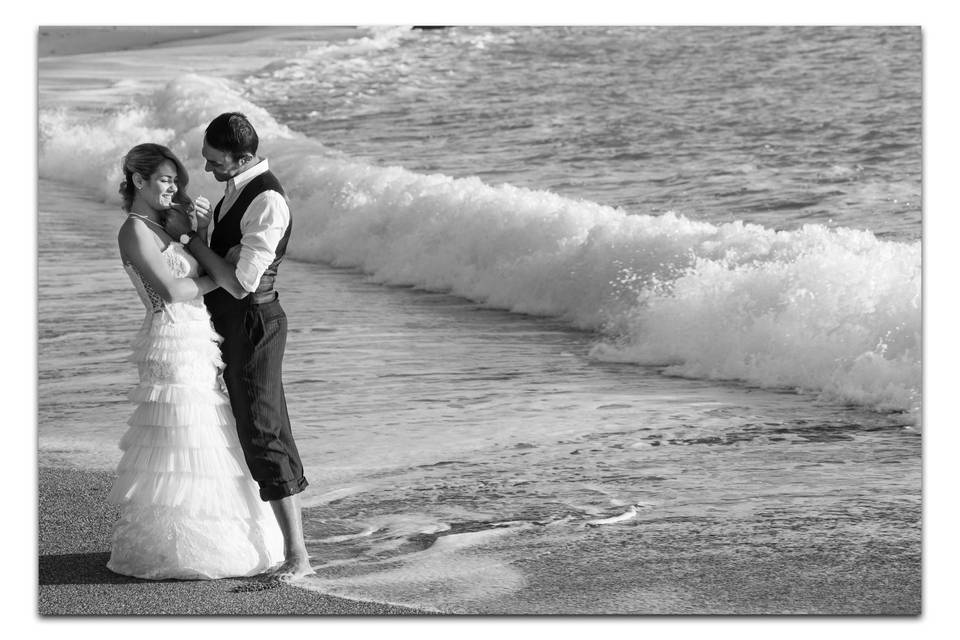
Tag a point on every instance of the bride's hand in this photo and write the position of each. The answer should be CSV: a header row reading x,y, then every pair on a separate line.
x,y
176,222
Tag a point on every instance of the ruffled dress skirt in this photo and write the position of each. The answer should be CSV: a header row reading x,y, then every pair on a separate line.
x,y
188,506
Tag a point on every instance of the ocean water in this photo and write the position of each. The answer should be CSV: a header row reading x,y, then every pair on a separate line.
x,y
542,278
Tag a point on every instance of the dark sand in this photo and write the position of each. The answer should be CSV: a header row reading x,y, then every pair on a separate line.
x,y
74,546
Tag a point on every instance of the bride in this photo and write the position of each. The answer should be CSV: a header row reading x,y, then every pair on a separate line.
x,y
188,506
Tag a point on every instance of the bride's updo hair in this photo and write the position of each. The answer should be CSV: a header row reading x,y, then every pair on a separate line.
x,y
144,159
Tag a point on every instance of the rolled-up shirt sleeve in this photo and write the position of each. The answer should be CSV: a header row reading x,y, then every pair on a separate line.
x,y
263,225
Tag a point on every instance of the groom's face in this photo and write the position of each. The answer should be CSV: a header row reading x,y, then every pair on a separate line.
x,y
222,165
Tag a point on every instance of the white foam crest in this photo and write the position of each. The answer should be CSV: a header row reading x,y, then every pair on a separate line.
x,y
327,64
86,151
831,311
87,154
508,247
379,38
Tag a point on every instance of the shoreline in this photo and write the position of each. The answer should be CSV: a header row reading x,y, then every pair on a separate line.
x,y
74,524
55,41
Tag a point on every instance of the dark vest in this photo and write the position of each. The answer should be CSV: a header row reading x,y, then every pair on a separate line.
x,y
227,233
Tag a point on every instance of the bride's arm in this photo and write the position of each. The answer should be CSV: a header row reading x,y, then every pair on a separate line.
x,y
138,246
221,270
202,234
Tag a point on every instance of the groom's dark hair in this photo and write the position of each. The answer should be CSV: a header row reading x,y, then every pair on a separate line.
x,y
232,133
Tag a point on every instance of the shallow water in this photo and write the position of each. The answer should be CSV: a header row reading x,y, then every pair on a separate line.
x,y
741,287
780,126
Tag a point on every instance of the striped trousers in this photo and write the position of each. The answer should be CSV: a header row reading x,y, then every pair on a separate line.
x,y
254,339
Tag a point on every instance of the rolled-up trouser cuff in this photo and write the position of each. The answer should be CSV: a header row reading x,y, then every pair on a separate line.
x,y
281,490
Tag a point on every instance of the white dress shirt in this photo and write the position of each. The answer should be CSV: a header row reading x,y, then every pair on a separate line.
x,y
262,225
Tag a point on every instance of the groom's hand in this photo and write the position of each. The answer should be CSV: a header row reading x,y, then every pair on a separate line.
x,y
201,211
233,255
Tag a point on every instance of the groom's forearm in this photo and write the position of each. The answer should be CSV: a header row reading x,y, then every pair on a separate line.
x,y
222,272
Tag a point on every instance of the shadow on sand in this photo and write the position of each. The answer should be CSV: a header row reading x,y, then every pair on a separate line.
x,y
79,568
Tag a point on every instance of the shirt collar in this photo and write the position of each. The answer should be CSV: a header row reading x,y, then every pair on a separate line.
x,y
240,180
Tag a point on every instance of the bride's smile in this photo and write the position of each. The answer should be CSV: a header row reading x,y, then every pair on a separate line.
x,y
158,191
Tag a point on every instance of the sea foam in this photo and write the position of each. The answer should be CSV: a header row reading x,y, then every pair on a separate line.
x,y
835,312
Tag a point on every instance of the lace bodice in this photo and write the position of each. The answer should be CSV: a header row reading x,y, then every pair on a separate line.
x,y
180,264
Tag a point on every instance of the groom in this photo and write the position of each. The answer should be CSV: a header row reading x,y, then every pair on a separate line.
x,y
253,217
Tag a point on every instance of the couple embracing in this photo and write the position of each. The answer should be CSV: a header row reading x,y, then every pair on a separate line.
x,y
208,485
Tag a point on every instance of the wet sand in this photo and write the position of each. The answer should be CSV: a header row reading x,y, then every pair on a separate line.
x,y
74,546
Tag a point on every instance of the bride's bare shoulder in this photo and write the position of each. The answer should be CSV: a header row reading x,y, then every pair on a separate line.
x,y
135,236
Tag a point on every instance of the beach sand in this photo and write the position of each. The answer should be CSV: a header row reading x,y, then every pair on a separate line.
x,y
74,543
74,546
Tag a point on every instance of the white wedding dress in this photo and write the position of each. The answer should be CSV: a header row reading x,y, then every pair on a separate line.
x,y
188,506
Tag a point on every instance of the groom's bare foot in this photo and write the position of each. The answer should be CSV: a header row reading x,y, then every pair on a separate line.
x,y
296,566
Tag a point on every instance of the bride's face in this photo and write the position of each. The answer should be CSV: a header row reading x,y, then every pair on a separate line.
x,y
158,190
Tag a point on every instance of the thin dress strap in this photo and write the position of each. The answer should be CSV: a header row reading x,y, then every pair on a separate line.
x,y
146,219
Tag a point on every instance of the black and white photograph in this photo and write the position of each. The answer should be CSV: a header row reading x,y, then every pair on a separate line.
x,y
452,320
